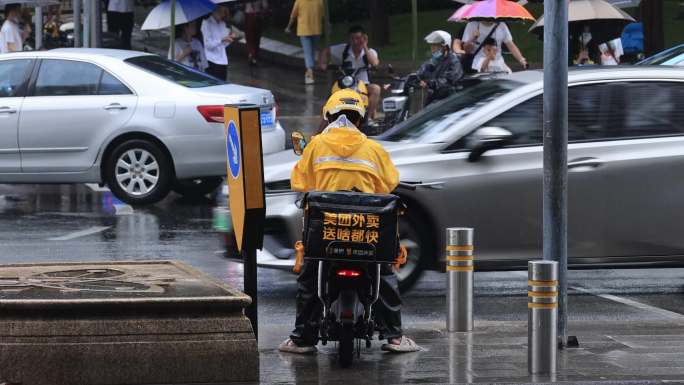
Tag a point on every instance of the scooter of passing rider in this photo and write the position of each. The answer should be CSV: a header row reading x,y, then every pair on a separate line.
x,y
342,158
442,72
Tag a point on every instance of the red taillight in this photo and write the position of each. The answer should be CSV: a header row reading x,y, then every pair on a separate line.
x,y
212,114
348,273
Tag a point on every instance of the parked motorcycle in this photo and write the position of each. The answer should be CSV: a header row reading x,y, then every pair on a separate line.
x,y
397,107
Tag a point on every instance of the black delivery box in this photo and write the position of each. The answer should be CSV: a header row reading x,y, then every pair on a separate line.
x,y
351,226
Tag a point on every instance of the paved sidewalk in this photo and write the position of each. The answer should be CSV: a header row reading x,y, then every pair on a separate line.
x,y
496,352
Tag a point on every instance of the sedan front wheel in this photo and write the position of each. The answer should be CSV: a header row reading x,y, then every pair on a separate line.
x,y
138,172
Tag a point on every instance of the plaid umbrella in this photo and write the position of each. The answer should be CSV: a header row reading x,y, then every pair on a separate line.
x,y
492,10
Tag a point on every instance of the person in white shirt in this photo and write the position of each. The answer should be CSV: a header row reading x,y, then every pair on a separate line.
x,y
490,61
189,50
351,56
120,19
217,37
477,31
11,36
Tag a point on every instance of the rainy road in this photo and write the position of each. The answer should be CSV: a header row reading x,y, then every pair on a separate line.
x,y
54,223
85,223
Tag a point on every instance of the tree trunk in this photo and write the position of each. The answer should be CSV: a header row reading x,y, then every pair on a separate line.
x,y
380,28
651,12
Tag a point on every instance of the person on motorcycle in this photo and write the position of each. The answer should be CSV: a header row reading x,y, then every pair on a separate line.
x,y
442,72
354,55
342,158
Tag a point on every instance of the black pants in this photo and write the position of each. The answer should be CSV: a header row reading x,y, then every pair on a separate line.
x,y
218,70
121,25
387,310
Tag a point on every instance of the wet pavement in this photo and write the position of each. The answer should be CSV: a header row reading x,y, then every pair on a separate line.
x,y
629,322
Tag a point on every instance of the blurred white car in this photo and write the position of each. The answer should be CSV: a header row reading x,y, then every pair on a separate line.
x,y
137,122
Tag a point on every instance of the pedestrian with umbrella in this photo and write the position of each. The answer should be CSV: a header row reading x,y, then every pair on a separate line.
x,y
188,49
590,22
487,19
171,13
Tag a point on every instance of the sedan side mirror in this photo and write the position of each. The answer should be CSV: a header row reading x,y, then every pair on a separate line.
x,y
298,142
485,139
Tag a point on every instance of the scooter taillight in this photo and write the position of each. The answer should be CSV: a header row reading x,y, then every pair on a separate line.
x,y
348,273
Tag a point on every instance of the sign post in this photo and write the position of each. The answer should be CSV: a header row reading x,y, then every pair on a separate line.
x,y
245,174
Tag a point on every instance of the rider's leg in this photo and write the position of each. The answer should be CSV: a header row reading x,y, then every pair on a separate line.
x,y
373,99
309,307
388,308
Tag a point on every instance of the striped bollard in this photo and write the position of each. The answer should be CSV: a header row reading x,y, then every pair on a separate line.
x,y
459,268
542,306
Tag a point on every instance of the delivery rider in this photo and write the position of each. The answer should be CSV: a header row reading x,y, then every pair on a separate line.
x,y
342,158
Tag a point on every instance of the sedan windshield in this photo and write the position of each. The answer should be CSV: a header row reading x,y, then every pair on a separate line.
x,y
175,72
664,57
439,117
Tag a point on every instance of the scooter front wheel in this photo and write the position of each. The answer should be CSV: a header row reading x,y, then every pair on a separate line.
x,y
346,346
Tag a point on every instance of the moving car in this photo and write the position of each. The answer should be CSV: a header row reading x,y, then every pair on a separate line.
x,y
476,161
672,57
139,123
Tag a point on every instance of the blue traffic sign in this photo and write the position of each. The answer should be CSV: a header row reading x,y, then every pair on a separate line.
x,y
233,148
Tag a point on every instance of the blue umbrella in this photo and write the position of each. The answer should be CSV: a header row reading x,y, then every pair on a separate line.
x,y
174,12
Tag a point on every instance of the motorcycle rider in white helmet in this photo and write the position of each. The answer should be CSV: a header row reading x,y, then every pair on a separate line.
x,y
441,73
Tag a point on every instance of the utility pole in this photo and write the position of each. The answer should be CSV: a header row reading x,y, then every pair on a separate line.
x,y
556,149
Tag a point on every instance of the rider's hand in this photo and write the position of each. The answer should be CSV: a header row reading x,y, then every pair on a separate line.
x,y
524,63
364,44
386,87
422,84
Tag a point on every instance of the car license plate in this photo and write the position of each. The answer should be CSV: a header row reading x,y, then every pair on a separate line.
x,y
266,119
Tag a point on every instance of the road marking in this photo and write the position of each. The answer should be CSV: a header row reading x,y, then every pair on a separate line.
x,y
96,187
82,233
633,303
123,209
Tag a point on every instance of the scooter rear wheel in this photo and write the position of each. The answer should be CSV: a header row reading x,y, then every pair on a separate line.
x,y
346,346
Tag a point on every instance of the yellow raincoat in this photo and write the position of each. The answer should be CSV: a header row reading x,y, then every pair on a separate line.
x,y
342,158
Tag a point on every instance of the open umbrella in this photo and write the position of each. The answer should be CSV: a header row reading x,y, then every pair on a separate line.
x,y
492,10
162,16
605,21
170,13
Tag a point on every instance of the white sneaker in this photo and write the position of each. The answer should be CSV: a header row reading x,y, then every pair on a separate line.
x,y
309,78
406,345
289,346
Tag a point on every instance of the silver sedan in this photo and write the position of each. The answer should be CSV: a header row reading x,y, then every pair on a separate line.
x,y
476,159
139,123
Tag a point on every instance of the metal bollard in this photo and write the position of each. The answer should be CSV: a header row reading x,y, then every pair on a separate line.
x,y
459,267
542,306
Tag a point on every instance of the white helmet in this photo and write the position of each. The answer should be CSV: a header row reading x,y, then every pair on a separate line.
x,y
439,37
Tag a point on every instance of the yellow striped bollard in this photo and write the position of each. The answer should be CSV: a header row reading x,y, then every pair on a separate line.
x,y
542,306
459,269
